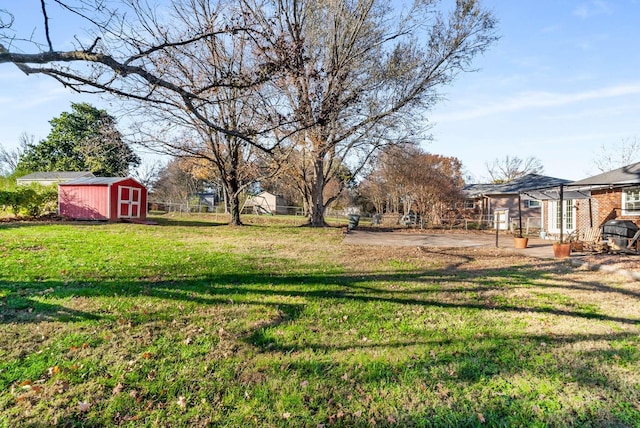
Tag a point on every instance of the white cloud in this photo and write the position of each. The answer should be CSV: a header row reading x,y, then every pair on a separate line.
x,y
592,8
528,100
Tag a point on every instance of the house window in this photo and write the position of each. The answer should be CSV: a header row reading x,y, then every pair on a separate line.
x,y
631,202
529,203
469,204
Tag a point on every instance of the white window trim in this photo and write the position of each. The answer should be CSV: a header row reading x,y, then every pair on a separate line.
x,y
623,204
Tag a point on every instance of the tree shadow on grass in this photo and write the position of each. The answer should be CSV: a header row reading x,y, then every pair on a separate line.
x,y
420,287
455,360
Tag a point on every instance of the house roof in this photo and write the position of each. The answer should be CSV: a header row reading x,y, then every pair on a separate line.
x,y
513,187
475,190
629,174
55,175
529,182
99,181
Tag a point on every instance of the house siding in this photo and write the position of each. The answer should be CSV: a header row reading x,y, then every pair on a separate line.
x,y
511,203
586,213
605,205
610,206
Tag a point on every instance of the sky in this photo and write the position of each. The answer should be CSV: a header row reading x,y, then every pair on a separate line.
x,y
562,82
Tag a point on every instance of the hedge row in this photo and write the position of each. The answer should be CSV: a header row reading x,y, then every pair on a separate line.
x,y
34,200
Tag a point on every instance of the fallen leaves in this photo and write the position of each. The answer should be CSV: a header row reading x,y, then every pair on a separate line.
x,y
182,402
61,387
84,406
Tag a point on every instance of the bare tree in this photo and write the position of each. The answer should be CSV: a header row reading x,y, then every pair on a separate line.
x,y
508,168
353,76
360,75
614,156
147,173
9,159
183,65
242,111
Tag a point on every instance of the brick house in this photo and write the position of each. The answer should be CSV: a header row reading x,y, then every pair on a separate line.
x,y
592,201
505,202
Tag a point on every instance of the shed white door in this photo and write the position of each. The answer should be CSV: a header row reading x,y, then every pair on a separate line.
x,y
501,219
129,202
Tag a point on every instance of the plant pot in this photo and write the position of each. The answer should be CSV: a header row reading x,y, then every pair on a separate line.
x,y
561,250
520,243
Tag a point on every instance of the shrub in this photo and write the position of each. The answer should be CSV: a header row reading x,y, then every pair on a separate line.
x,y
34,199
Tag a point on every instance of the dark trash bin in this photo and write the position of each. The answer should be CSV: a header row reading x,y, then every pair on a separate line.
x,y
354,219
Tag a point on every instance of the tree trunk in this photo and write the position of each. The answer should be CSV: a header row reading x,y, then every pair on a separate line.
x,y
316,218
234,201
233,192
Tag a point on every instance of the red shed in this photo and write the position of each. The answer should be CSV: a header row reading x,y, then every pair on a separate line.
x,y
102,198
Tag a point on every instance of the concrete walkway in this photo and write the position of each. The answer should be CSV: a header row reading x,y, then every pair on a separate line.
x,y
536,248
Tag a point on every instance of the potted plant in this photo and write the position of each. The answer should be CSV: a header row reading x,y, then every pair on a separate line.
x,y
561,249
520,241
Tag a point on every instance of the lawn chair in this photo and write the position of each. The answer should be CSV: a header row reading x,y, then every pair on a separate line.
x,y
590,238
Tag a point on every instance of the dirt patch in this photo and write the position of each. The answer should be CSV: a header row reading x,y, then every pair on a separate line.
x,y
627,262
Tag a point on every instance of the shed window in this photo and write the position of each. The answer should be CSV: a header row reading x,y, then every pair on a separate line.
x,y
631,202
530,203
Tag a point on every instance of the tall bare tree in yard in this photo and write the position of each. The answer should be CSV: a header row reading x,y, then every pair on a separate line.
x,y
182,63
508,168
360,75
242,112
348,76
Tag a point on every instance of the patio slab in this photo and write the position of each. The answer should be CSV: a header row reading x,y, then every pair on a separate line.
x,y
536,248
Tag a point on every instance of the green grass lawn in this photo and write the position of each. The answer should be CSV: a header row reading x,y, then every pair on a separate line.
x,y
192,323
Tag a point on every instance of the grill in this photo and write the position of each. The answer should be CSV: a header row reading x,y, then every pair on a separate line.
x,y
619,231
